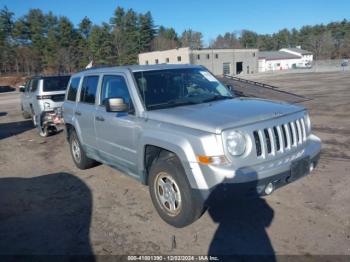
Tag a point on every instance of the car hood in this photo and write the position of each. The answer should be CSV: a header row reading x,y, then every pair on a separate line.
x,y
217,116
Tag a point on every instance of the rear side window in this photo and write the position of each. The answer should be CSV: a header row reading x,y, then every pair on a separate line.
x,y
57,83
88,89
73,89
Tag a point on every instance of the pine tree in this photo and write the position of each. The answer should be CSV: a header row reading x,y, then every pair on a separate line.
x,y
147,32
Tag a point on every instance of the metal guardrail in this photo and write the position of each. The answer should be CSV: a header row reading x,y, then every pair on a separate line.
x,y
251,82
267,86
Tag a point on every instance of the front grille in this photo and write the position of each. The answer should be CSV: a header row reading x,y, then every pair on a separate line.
x,y
279,138
58,98
257,143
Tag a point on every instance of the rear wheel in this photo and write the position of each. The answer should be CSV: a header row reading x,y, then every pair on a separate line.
x,y
175,201
79,157
44,131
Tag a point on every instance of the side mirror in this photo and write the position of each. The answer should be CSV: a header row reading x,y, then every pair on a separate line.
x,y
21,88
116,105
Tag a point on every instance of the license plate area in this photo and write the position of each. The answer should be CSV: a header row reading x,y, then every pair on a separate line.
x,y
299,168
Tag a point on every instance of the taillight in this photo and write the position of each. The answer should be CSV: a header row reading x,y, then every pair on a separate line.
x,y
43,97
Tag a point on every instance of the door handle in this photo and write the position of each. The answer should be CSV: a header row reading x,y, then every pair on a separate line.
x,y
78,113
99,118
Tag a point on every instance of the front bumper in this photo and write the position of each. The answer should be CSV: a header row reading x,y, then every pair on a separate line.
x,y
252,180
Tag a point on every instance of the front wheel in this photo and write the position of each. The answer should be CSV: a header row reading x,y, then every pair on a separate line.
x,y
175,201
34,120
24,113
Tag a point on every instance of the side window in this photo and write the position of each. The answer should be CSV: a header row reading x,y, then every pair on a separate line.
x,y
88,89
73,89
114,86
27,87
34,85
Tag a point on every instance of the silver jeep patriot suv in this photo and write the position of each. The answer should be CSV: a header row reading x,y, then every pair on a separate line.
x,y
180,131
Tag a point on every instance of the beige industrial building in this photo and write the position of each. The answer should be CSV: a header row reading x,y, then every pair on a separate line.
x,y
218,61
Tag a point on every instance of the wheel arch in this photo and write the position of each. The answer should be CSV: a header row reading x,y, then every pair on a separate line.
x,y
69,129
153,148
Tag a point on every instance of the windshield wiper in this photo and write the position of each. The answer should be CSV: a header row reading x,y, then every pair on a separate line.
x,y
216,98
177,102
172,103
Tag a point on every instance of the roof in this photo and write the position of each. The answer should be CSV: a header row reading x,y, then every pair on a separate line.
x,y
224,48
201,49
48,76
299,51
276,55
137,68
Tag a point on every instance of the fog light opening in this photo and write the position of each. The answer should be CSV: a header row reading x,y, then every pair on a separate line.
x,y
312,166
269,188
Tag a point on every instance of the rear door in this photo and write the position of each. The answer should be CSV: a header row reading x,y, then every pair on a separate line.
x,y
116,132
71,98
85,112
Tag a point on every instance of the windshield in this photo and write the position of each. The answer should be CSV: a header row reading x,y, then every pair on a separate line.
x,y
175,87
57,83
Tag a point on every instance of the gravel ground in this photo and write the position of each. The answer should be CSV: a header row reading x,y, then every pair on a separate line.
x,y
47,206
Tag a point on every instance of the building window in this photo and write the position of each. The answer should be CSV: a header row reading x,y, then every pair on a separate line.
x,y
208,56
179,58
198,57
167,60
216,56
156,61
226,68
146,62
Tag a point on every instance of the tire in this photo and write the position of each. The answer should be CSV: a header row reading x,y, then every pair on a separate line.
x,y
44,132
34,118
24,113
79,156
175,201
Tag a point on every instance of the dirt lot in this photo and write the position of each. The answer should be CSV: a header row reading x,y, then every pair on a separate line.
x,y
47,206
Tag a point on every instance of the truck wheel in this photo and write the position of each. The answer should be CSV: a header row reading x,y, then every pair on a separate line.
x,y
34,118
43,131
175,201
24,113
79,157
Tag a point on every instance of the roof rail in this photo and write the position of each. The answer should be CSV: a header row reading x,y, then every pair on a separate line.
x,y
97,67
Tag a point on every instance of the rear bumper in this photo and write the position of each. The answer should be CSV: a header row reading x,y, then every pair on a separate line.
x,y
51,118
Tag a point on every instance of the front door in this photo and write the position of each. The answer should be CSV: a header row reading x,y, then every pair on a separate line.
x,y
116,132
26,97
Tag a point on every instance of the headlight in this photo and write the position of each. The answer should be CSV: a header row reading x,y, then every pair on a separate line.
x,y
236,143
308,123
